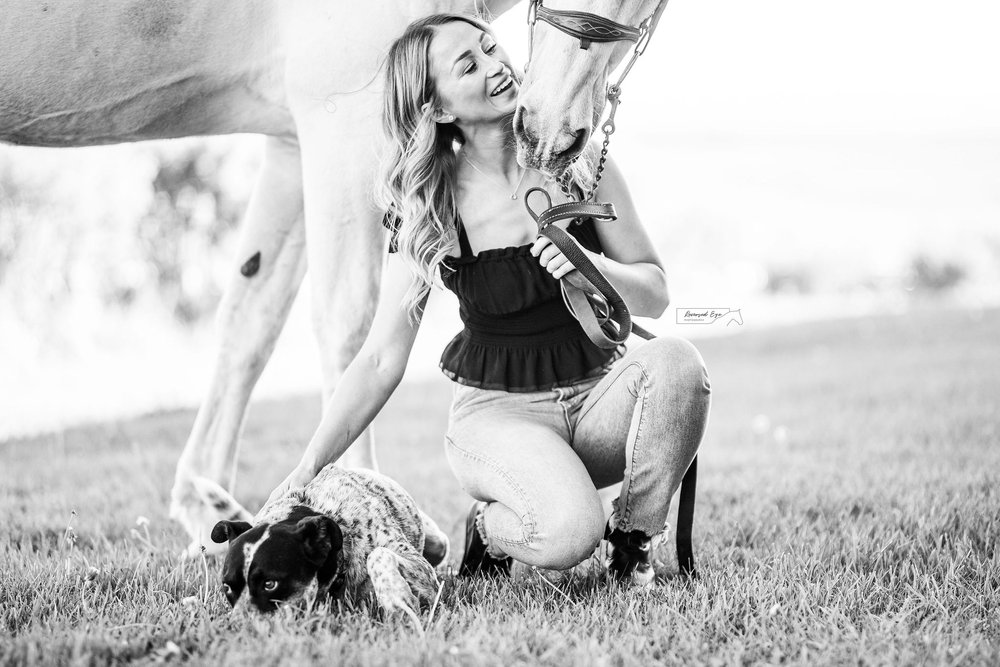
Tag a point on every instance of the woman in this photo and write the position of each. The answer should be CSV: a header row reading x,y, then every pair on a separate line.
x,y
541,417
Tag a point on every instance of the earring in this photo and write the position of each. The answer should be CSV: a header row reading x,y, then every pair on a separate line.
x,y
437,115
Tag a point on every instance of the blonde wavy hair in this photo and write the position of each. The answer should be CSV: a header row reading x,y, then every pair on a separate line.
x,y
416,185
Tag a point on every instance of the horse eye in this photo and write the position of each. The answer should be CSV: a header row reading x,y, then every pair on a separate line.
x,y
270,586
227,589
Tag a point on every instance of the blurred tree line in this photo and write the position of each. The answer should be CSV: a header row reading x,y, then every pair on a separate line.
x,y
151,228
188,218
156,230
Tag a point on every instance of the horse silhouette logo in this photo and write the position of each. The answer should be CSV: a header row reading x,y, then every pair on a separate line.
x,y
709,316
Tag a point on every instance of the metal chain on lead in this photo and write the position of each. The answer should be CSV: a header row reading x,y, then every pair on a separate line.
x,y
564,180
614,95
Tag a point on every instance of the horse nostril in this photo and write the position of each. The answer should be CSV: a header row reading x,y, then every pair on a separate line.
x,y
520,130
581,137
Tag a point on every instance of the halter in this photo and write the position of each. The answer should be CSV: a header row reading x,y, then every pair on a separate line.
x,y
590,28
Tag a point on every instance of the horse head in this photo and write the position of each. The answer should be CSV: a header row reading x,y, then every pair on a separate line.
x,y
573,51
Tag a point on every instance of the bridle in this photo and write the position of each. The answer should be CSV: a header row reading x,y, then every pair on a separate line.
x,y
590,28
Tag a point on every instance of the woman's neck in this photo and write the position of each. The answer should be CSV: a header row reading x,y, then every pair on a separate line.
x,y
492,151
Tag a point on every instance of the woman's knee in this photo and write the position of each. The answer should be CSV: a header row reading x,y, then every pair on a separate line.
x,y
564,538
677,361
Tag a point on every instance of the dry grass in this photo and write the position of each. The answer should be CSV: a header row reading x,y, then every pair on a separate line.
x,y
864,530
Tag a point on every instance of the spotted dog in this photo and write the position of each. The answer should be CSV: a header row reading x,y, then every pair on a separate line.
x,y
349,534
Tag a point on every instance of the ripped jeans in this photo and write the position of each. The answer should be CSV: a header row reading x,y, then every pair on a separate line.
x,y
538,458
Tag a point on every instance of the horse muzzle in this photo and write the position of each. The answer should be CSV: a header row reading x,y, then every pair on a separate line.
x,y
549,150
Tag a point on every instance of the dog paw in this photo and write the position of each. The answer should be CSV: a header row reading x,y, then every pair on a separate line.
x,y
398,602
436,549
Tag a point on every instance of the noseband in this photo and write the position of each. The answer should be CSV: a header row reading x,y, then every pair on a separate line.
x,y
588,28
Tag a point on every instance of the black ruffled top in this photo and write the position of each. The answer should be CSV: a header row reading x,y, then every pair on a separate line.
x,y
518,336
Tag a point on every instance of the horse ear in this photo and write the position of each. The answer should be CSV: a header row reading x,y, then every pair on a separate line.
x,y
321,536
227,531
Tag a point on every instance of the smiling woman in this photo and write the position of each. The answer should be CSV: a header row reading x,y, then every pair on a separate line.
x,y
542,417
450,85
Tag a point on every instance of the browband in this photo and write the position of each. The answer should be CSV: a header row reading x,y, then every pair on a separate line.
x,y
587,27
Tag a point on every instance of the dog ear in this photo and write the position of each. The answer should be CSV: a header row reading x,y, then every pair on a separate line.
x,y
321,536
227,531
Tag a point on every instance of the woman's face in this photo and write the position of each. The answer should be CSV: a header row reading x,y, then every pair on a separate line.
x,y
472,74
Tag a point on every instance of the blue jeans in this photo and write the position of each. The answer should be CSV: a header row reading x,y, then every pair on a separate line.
x,y
538,458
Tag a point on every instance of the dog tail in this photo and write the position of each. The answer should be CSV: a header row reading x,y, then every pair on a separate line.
x,y
220,500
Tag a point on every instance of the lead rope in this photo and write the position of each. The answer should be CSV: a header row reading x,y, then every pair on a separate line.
x,y
592,300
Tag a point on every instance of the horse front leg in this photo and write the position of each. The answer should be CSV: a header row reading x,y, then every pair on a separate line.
x,y
263,284
345,240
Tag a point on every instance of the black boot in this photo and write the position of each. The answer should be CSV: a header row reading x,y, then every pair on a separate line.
x,y
630,556
476,562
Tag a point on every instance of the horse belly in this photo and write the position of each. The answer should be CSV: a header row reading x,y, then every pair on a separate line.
x,y
76,72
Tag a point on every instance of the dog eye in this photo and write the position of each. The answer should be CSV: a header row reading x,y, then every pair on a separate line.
x,y
270,586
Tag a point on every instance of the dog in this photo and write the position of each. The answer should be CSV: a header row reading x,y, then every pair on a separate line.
x,y
349,534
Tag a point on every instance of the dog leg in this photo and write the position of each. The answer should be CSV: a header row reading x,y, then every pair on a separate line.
x,y
403,583
436,545
391,589
265,279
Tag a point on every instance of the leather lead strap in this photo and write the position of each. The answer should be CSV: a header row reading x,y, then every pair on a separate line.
x,y
605,317
685,520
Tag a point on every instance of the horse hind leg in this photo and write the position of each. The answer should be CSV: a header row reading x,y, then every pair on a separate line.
x,y
264,282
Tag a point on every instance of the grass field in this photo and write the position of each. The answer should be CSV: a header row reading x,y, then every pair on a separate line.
x,y
857,523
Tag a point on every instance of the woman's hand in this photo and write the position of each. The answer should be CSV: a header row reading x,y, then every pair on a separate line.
x,y
297,479
552,258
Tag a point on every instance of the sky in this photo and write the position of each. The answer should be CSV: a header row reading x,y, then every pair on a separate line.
x,y
786,65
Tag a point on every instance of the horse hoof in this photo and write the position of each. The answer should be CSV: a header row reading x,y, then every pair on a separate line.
x,y
198,504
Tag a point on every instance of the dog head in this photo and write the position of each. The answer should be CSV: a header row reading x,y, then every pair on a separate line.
x,y
277,563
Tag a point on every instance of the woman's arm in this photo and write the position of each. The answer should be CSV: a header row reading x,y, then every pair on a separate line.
x,y
368,381
630,261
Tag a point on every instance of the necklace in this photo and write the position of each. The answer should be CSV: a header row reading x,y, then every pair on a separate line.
x,y
513,195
